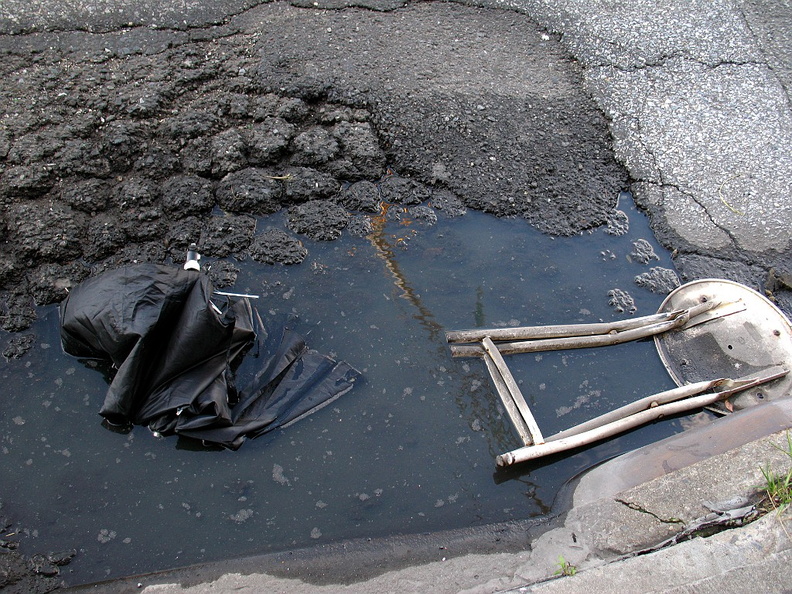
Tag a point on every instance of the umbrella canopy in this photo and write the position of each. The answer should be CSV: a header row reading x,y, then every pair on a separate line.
x,y
177,348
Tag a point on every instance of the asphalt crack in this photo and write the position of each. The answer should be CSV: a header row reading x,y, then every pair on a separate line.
x,y
695,199
663,62
643,510
767,54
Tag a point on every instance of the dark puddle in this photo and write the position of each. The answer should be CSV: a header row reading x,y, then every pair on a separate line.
x,y
411,449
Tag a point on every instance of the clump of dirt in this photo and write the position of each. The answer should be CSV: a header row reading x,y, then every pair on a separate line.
x,y
36,573
658,280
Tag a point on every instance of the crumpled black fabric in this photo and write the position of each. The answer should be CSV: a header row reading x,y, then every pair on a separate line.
x,y
178,349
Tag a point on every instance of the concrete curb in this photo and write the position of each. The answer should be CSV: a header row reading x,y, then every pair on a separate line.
x,y
754,558
603,530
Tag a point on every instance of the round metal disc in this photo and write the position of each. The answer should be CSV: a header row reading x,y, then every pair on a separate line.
x,y
755,337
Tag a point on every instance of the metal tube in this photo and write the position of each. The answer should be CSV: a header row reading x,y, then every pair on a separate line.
x,y
635,407
553,447
513,390
557,444
572,342
575,330
508,403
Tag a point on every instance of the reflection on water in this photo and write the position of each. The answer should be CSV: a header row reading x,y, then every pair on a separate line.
x,y
410,449
384,247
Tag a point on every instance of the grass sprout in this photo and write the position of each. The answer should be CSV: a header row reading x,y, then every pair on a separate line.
x,y
565,567
778,486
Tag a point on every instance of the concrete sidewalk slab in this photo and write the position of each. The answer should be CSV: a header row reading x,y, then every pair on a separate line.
x,y
754,558
608,530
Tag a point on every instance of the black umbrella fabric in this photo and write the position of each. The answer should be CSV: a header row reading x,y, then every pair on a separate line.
x,y
177,348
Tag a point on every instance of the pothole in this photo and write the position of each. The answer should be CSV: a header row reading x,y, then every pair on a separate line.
x,y
324,161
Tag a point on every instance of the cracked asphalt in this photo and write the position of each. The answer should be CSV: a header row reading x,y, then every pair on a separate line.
x,y
697,97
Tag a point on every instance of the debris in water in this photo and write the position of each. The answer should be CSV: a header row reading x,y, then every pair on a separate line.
x,y
278,476
424,214
618,223
621,301
176,345
18,346
643,252
658,280
241,516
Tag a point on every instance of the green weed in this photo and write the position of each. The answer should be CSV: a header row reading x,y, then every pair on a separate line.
x,y
564,567
778,486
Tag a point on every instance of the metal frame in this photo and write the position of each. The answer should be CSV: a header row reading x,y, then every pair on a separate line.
x,y
544,338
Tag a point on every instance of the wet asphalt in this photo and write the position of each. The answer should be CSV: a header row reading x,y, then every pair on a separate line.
x,y
696,95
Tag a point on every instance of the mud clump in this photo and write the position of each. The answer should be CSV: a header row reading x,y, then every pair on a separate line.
x,y
617,223
621,301
277,247
318,219
658,280
363,196
398,190
35,573
43,232
643,252
226,234
18,345
252,190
